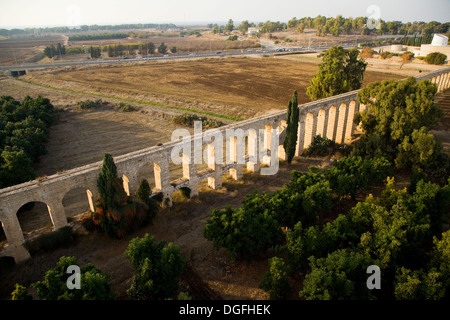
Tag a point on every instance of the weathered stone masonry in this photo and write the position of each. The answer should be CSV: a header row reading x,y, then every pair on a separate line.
x,y
331,117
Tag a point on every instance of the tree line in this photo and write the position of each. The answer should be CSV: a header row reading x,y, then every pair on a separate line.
x,y
24,129
338,25
52,51
83,28
102,36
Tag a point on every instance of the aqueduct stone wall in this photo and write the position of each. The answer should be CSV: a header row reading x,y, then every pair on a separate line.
x,y
331,117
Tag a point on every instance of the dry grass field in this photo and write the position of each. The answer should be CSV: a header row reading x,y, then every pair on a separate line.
x,y
16,51
241,87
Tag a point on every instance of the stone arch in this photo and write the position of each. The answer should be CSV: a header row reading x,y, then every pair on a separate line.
x,y
281,131
148,171
265,149
34,217
77,201
180,172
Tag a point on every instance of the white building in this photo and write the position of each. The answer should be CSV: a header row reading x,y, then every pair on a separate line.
x,y
439,44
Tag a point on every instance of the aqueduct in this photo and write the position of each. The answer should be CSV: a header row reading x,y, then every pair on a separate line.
x,y
330,117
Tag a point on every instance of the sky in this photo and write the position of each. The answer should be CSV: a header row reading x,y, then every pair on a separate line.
x,y
33,13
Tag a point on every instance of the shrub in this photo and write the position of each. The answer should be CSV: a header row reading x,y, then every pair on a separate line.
x,y
320,146
125,107
143,194
188,119
407,56
367,53
50,241
436,58
89,104
386,55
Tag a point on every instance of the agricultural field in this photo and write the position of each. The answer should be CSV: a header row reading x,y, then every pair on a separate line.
x,y
20,50
239,87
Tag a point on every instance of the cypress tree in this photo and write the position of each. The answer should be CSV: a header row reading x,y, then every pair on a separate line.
x,y
109,185
290,142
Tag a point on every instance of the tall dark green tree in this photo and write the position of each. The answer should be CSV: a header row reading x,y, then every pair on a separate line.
x,y
116,212
162,49
293,112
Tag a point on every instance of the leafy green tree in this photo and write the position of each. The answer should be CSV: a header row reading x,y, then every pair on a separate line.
x,y
229,26
401,115
293,114
419,285
244,232
162,49
275,281
243,27
16,167
340,71
158,268
93,286
341,275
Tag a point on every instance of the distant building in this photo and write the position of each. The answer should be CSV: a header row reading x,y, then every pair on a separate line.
x,y
439,44
252,31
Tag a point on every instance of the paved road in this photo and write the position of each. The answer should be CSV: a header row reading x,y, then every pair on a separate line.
x,y
163,57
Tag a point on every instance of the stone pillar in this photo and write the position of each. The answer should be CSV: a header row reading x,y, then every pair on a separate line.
x,y
445,81
57,214
312,131
335,123
236,157
126,186
14,235
253,164
186,167
210,157
342,122
322,129
162,181
90,200
350,128
301,135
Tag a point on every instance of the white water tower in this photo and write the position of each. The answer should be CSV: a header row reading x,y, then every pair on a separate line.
x,y
439,40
